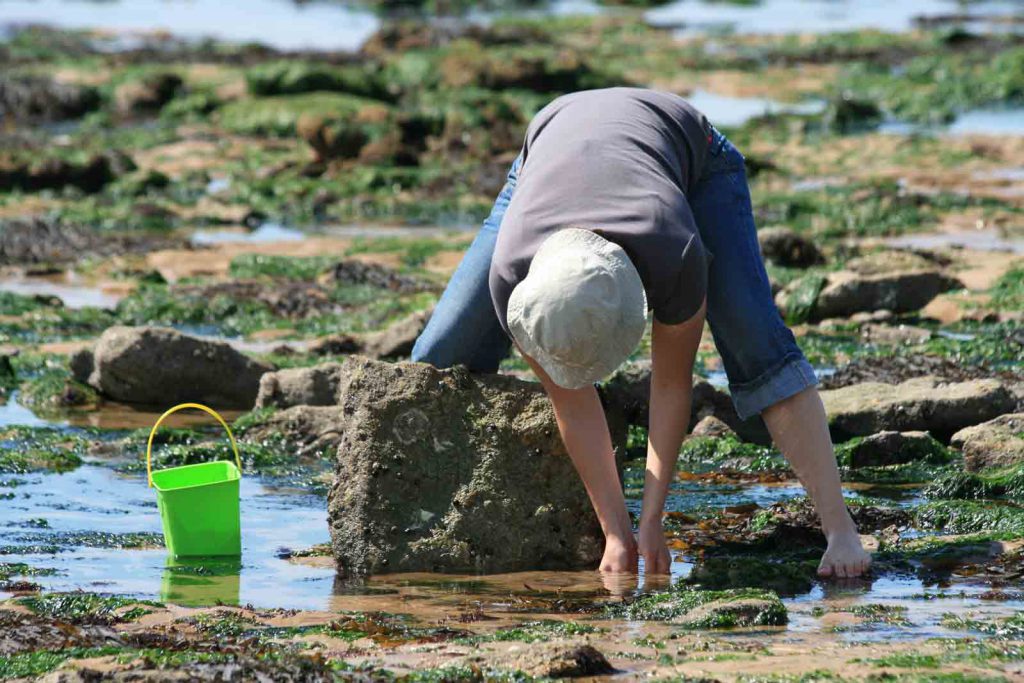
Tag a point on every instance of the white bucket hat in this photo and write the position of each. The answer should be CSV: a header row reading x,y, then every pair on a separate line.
x,y
581,310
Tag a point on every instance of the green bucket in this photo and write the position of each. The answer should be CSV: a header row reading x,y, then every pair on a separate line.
x,y
198,503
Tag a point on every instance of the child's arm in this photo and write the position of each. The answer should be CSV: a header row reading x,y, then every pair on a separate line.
x,y
584,430
673,350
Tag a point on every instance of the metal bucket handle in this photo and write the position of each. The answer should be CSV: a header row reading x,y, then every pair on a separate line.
x,y
183,406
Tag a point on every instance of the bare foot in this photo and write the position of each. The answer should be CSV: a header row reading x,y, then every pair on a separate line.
x,y
845,557
620,555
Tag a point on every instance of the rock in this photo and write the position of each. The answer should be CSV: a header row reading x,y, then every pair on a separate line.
x,y
784,247
391,343
892,448
546,660
52,174
25,632
42,240
81,364
330,139
354,272
441,470
147,94
627,393
893,261
845,293
161,366
994,444
306,430
232,668
924,403
895,334
314,386
35,99
845,113
734,612
397,340
712,426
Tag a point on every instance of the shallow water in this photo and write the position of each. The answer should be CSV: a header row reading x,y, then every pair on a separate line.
x,y
268,232
729,111
813,16
74,293
991,121
981,240
337,26
94,498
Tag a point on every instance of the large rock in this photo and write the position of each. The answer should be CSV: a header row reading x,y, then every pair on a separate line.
x,y
560,659
893,448
994,444
161,366
845,293
39,98
441,470
315,386
391,343
785,247
924,403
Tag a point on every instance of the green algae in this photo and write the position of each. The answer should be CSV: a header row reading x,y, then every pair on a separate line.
x,y
535,632
306,268
959,484
703,454
681,600
1008,628
970,517
277,115
1008,292
86,608
293,77
970,79
35,449
801,298
39,662
788,574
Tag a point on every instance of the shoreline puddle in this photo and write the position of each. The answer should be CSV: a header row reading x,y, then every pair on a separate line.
x,y
979,240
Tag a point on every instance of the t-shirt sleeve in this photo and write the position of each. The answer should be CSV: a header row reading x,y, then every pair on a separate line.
x,y
690,288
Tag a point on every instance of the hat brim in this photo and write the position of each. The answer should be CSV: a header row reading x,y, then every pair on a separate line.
x,y
612,349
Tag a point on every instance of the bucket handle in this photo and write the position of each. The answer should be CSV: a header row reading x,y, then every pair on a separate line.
x,y
183,406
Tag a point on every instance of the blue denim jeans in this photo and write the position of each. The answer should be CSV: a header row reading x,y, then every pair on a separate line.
x,y
761,358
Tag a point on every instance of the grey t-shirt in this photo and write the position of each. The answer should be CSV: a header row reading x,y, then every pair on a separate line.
x,y
618,161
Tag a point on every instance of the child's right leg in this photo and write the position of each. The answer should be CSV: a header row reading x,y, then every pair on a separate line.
x,y
464,328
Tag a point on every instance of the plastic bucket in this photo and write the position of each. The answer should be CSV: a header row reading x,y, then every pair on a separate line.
x,y
198,503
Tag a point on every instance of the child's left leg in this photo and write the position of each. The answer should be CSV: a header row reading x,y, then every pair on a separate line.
x,y
768,374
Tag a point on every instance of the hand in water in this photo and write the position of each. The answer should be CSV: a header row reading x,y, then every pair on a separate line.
x,y
654,550
620,555
845,556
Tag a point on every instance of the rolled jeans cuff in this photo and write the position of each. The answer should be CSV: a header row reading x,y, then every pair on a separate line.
x,y
790,378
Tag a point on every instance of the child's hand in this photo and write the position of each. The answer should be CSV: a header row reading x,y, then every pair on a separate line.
x,y
654,549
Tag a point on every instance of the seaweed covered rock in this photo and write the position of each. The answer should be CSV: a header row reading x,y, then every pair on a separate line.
x,y
441,470
391,343
993,444
706,609
26,632
37,98
845,293
546,660
161,366
784,247
148,93
54,173
924,403
892,448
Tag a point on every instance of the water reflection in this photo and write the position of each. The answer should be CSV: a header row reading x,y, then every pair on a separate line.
x,y
198,581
